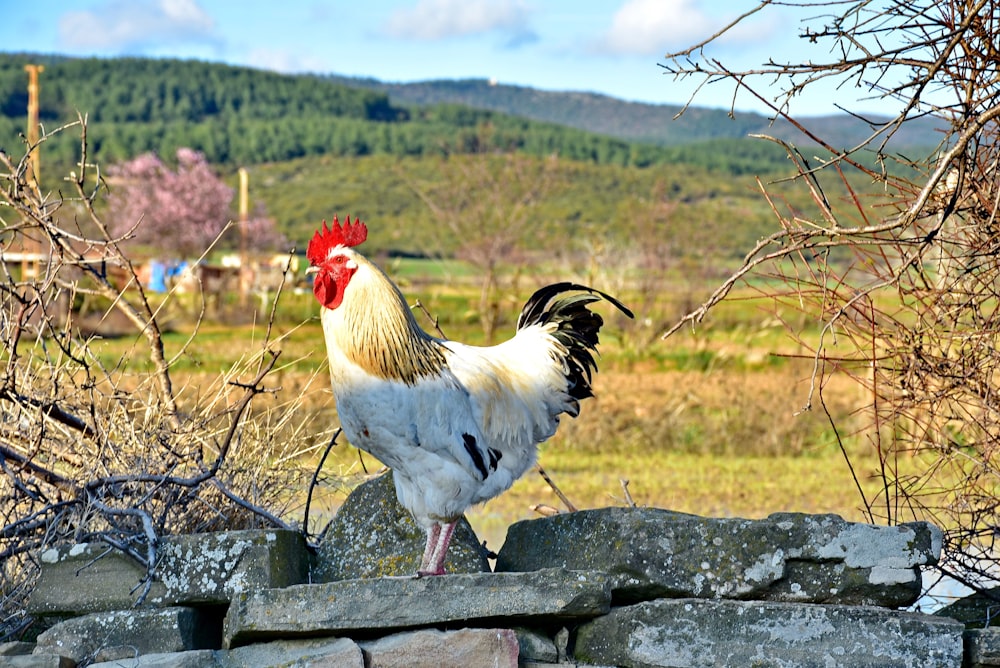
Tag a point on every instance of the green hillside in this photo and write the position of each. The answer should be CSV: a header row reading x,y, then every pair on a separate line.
x,y
316,147
241,116
711,217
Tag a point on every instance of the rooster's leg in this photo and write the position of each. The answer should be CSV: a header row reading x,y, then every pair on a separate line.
x,y
435,563
433,531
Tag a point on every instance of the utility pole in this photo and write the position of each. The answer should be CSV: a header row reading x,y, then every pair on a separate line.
x,y
29,263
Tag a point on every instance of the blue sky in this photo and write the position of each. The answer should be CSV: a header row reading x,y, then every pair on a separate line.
x,y
611,47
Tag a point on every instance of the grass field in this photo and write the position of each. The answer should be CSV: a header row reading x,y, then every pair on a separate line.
x,y
706,422
721,443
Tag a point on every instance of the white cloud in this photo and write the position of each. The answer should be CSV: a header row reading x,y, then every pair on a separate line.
x,y
654,27
120,25
441,19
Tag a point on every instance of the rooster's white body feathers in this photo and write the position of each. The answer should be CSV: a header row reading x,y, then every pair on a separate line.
x,y
458,424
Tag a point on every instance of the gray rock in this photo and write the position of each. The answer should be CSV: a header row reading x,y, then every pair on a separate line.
x,y
976,611
193,569
982,647
561,664
16,648
317,653
693,633
142,631
202,658
373,536
445,649
37,661
651,553
534,645
375,605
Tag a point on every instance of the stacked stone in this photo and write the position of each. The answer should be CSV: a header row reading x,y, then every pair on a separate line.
x,y
615,586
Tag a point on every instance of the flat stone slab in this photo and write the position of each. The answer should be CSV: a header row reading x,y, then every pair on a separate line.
x,y
382,604
193,569
496,648
201,658
37,661
652,553
692,633
129,633
314,652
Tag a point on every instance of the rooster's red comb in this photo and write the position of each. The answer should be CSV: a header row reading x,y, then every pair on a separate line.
x,y
350,234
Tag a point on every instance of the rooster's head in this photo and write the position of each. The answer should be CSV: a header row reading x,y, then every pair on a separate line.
x,y
331,261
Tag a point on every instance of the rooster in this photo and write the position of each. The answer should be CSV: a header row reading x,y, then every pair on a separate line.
x,y
458,424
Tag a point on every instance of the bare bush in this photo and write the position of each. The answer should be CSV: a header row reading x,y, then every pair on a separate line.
x,y
104,450
901,278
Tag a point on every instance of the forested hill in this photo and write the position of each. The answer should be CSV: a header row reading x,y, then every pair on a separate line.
x,y
243,116
632,121
239,115
586,111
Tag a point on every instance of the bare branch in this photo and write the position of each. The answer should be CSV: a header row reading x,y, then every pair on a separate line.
x,y
91,451
555,488
898,287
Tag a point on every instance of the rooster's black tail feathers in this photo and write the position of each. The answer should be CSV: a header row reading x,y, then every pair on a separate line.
x,y
577,327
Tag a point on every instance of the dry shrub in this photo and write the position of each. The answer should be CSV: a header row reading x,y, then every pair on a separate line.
x,y
92,451
902,280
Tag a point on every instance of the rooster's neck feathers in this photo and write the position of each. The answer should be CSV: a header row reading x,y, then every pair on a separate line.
x,y
376,330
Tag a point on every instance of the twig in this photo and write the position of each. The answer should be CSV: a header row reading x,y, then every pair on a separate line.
x,y
51,410
628,495
847,458
315,479
434,320
40,472
149,560
562,497
256,510
252,389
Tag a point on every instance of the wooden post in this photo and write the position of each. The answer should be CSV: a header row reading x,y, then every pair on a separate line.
x,y
29,263
33,158
245,274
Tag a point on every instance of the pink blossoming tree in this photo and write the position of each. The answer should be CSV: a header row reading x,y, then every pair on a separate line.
x,y
175,212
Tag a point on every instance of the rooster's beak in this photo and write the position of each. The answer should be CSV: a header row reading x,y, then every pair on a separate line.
x,y
312,270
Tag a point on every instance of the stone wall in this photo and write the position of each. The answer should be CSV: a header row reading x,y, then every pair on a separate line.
x,y
616,586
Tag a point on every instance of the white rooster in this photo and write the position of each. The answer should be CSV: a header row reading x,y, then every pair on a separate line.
x,y
458,424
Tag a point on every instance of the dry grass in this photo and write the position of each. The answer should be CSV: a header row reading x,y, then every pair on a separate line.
x,y
720,443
